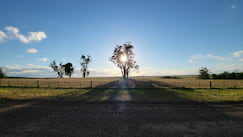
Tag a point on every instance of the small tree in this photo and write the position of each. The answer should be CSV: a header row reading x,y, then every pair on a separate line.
x,y
123,58
59,69
68,69
2,72
85,60
203,73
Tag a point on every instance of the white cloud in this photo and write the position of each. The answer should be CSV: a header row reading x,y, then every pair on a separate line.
x,y
11,29
20,56
35,36
240,59
210,56
29,70
43,59
31,51
63,59
31,65
238,53
233,7
2,35
14,33
199,57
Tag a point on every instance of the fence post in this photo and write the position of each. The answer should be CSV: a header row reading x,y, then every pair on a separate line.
x,y
210,84
199,84
38,84
80,85
91,84
235,84
9,85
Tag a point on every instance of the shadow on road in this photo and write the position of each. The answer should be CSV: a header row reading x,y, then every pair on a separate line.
x,y
119,112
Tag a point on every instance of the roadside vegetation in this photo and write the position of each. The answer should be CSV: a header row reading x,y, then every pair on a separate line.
x,y
38,93
150,95
197,95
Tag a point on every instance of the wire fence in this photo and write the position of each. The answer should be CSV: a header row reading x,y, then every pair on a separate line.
x,y
115,84
206,84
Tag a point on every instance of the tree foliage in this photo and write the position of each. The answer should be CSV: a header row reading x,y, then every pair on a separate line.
x,y
2,72
123,58
204,73
68,68
59,69
85,60
228,75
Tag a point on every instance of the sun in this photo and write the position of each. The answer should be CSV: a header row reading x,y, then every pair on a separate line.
x,y
123,58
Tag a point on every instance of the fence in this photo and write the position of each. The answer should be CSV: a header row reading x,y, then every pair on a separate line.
x,y
199,84
115,84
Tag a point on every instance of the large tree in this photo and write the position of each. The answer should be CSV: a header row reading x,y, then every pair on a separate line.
x,y
85,60
59,69
68,69
204,73
123,58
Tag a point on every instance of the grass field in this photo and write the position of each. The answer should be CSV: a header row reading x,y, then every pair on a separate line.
x,y
145,95
192,82
165,92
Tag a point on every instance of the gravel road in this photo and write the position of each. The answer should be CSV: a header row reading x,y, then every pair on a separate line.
x,y
119,117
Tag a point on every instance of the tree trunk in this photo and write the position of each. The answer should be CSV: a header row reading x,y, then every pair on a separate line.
x,y
124,72
84,74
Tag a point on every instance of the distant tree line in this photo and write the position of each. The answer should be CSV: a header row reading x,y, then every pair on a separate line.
x,y
205,74
170,77
228,75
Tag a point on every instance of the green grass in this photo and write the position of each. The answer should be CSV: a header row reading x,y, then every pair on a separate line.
x,y
166,94
38,93
212,95
198,95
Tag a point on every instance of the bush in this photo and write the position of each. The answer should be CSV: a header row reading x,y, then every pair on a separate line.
x,y
2,73
227,75
170,77
239,75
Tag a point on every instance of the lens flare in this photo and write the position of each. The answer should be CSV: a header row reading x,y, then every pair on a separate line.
x,y
123,58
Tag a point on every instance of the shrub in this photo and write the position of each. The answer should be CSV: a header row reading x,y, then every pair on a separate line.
x,y
2,72
227,75
170,77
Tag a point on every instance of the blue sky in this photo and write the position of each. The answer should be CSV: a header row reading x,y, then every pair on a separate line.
x,y
170,36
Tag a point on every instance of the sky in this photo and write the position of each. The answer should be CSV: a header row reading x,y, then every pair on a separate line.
x,y
170,37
